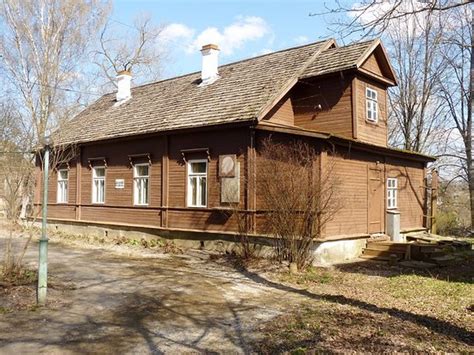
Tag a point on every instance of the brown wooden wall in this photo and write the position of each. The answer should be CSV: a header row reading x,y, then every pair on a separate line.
x,y
171,211
372,65
352,179
411,192
351,175
282,112
333,93
349,167
374,133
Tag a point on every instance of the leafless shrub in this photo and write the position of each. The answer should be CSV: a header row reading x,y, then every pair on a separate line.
x,y
247,248
299,197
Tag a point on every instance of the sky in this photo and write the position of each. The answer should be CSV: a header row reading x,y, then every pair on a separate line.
x,y
242,29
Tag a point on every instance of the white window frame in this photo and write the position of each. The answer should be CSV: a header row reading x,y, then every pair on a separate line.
x,y
392,193
62,194
136,181
371,105
191,175
95,178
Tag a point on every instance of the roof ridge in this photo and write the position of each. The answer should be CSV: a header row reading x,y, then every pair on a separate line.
x,y
353,44
231,63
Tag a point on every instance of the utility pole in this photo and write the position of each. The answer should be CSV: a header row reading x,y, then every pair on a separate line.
x,y
43,242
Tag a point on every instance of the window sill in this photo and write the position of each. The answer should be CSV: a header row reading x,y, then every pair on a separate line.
x,y
375,123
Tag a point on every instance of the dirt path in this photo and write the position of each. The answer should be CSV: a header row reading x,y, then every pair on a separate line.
x,y
168,303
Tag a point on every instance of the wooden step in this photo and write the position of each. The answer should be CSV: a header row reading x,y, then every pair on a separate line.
x,y
382,253
371,257
385,247
385,242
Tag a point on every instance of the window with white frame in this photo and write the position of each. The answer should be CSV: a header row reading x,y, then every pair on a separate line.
x,y
392,185
197,183
98,184
63,177
372,106
141,176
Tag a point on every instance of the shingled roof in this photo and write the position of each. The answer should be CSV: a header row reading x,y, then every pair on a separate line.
x,y
338,59
242,92
238,95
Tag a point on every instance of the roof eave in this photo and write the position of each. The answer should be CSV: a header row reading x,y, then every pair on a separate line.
x,y
343,141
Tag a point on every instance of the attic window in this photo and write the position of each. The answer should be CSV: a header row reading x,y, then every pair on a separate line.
x,y
371,104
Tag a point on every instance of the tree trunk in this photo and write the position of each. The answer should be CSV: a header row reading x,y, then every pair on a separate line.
x,y
470,168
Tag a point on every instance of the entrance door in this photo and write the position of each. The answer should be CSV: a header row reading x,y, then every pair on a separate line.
x,y
375,200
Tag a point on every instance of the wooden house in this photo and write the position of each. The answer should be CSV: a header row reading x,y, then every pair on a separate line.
x,y
152,158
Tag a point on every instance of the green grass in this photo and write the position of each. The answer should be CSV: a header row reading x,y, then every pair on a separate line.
x,y
312,275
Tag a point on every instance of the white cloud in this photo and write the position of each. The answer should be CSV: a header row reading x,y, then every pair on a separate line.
x,y
263,52
229,39
301,40
177,32
404,16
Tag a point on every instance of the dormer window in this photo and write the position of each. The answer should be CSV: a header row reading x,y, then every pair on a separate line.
x,y
371,104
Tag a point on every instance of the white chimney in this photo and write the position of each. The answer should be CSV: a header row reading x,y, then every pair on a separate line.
x,y
124,81
209,73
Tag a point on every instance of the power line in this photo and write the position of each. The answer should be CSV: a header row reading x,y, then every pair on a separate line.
x,y
62,89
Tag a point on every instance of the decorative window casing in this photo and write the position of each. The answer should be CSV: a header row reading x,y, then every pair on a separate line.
x,y
392,194
197,183
63,179
141,183
371,105
98,184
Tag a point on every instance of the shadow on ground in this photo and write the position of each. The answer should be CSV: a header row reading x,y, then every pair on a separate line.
x,y
433,324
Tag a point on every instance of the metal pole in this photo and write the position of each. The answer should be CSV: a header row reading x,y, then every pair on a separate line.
x,y
43,243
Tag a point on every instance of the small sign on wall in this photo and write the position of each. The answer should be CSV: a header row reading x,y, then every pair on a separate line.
x,y
119,183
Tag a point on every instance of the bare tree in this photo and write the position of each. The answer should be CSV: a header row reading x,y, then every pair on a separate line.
x,y
42,46
417,119
299,197
457,92
135,49
374,17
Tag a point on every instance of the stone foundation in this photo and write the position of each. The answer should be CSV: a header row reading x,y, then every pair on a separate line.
x,y
325,252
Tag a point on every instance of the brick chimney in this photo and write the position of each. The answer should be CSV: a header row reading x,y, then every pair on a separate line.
x,y
209,73
124,81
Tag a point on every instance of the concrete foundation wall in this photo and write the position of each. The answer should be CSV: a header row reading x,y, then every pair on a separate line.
x,y
325,253
333,252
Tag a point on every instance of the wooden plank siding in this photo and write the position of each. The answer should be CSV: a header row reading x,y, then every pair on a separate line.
x,y
282,112
349,167
374,133
333,93
350,176
411,192
162,211
372,65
